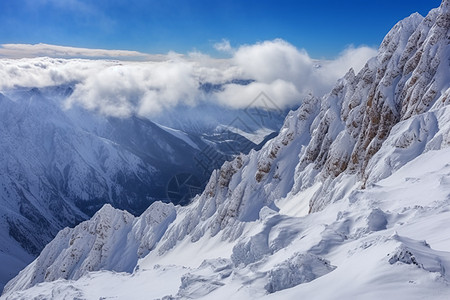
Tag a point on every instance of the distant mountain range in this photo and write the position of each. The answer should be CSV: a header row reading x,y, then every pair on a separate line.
x,y
351,200
60,166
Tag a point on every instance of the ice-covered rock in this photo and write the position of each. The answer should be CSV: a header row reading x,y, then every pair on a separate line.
x,y
197,284
298,269
349,156
420,254
377,220
112,240
338,139
59,166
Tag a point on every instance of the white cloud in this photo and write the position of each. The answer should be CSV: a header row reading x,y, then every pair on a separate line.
x,y
120,88
39,50
41,72
144,89
351,57
223,46
272,60
288,74
281,93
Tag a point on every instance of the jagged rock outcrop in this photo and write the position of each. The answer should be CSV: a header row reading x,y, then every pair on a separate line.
x,y
59,166
111,240
296,270
241,188
335,137
370,125
408,77
398,83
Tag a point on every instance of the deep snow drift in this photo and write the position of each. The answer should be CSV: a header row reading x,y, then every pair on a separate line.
x,y
350,200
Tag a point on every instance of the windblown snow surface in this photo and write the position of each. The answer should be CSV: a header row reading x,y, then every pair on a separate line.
x,y
59,166
390,240
350,201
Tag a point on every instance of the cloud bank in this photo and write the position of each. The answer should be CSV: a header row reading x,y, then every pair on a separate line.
x,y
39,50
121,88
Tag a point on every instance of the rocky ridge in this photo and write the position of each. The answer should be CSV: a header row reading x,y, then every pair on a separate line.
x,y
368,127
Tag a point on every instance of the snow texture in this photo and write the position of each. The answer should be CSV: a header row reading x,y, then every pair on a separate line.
x,y
60,166
350,201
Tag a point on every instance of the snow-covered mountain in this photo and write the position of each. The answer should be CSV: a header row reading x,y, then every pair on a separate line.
x,y
350,200
59,166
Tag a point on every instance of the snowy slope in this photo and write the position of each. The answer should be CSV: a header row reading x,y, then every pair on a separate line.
x,y
350,200
385,241
59,166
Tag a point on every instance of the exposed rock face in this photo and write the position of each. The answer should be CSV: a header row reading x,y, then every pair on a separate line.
x,y
398,83
111,240
338,135
407,78
371,124
297,270
335,137
59,166
240,189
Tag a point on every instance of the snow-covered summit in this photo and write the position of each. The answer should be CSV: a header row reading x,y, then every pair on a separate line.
x,y
111,240
353,192
326,141
60,165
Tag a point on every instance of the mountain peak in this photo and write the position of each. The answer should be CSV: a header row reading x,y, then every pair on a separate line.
x,y
445,5
367,159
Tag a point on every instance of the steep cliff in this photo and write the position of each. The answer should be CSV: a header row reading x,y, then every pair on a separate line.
x,y
345,186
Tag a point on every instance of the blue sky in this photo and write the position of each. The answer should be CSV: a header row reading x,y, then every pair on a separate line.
x,y
324,28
